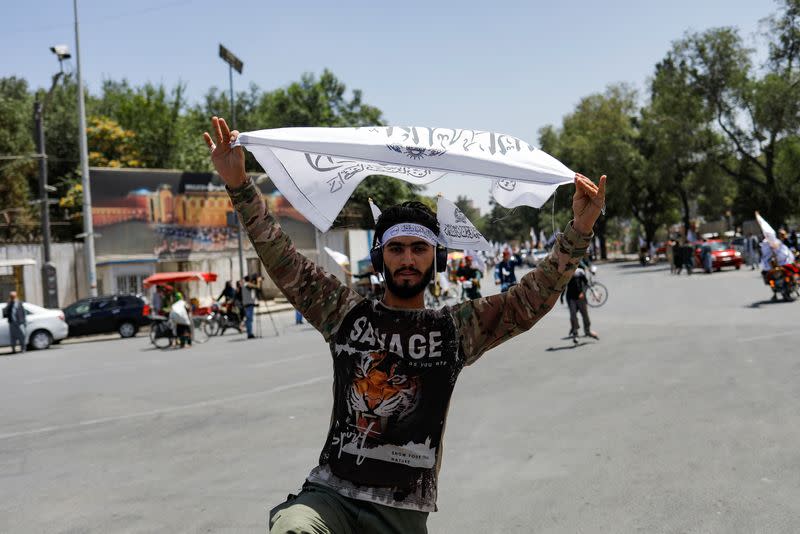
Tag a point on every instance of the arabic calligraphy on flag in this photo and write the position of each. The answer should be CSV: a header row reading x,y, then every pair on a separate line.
x,y
317,169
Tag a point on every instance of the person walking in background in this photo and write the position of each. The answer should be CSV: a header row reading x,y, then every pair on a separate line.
x,y
677,256
576,300
17,322
687,254
705,256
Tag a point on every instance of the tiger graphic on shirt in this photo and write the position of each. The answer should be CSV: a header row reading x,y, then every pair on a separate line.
x,y
383,392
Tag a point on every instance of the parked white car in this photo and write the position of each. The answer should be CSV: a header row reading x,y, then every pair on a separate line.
x,y
44,326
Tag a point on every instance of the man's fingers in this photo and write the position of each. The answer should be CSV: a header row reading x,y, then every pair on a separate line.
x,y
602,187
217,129
226,132
586,185
234,135
207,139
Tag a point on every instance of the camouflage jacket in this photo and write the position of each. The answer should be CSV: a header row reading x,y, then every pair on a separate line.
x,y
394,370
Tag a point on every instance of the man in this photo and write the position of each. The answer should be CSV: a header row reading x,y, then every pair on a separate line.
x,y
249,301
576,300
395,363
179,315
17,322
472,279
776,254
705,256
504,274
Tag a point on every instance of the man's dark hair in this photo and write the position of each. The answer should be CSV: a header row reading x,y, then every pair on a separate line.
x,y
411,211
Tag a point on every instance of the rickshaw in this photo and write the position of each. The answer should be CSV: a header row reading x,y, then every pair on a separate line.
x,y
162,333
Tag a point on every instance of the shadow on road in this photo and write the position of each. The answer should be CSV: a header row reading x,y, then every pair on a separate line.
x,y
635,268
767,302
570,346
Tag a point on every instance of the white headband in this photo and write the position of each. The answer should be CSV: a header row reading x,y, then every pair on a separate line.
x,y
409,230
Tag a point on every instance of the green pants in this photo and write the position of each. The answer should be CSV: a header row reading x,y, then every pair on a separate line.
x,y
320,510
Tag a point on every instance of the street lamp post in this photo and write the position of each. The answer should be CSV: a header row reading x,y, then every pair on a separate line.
x,y
234,63
88,228
49,278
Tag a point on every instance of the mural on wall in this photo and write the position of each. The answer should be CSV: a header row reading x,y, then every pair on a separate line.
x,y
170,213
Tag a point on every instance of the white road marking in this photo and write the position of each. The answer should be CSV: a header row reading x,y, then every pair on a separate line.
x,y
284,360
767,336
163,411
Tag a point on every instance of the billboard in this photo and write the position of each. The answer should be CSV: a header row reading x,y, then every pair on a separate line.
x,y
172,214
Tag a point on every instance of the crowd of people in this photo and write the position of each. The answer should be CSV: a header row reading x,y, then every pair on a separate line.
x,y
237,304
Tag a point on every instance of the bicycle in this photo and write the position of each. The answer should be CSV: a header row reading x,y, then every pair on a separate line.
x,y
596,292
162,331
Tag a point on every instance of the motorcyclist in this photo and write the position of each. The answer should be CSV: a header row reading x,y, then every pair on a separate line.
x,y
504,274
472,276
775,254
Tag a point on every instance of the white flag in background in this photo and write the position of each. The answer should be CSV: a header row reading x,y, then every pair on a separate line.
x,y
767,230
338,257
455,230
317,169
376,211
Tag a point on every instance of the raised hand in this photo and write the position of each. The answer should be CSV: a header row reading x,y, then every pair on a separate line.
x,y
229,162
587,203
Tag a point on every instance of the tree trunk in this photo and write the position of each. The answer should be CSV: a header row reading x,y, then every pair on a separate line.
x,y
600,230
685,205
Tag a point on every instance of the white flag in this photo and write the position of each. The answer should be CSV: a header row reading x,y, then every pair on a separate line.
x,y
376,211
512,193
767,230
338,257
317,169
455,230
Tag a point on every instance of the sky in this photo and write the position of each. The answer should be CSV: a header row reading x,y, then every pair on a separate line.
x,y
509,67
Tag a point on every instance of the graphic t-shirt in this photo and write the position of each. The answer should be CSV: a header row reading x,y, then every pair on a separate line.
x,y
394,373
395,370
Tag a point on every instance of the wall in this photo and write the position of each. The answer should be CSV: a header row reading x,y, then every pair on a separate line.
x,y
70,269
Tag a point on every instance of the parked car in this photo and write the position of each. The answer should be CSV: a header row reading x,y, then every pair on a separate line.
x,y
722,255
45,327
124,314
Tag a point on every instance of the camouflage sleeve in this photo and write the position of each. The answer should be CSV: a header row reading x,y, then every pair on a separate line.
x,y
320,297
485,323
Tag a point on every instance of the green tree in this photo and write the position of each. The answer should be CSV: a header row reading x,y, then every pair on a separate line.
x,y
472,213
757,115
676,125
151,112
110,145
18,168
602,136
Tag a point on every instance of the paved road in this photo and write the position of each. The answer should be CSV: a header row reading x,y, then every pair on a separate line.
x,y
683,418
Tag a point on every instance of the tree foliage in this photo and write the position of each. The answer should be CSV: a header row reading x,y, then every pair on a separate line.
x,y
713,135
16,175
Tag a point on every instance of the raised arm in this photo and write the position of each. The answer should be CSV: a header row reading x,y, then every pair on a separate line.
x,y
485,323
321,298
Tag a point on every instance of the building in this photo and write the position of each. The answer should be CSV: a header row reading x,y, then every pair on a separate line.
x,y
154,220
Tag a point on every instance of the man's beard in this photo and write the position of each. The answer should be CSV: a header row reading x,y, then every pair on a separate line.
x,y
406,290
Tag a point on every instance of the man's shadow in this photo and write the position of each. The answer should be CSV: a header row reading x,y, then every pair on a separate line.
x,y
572,345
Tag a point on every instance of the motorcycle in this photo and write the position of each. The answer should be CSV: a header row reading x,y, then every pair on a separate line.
x,y
784,281
220,319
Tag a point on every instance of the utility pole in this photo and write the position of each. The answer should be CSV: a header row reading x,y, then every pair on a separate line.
x,y
88,228
49,278
234,63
